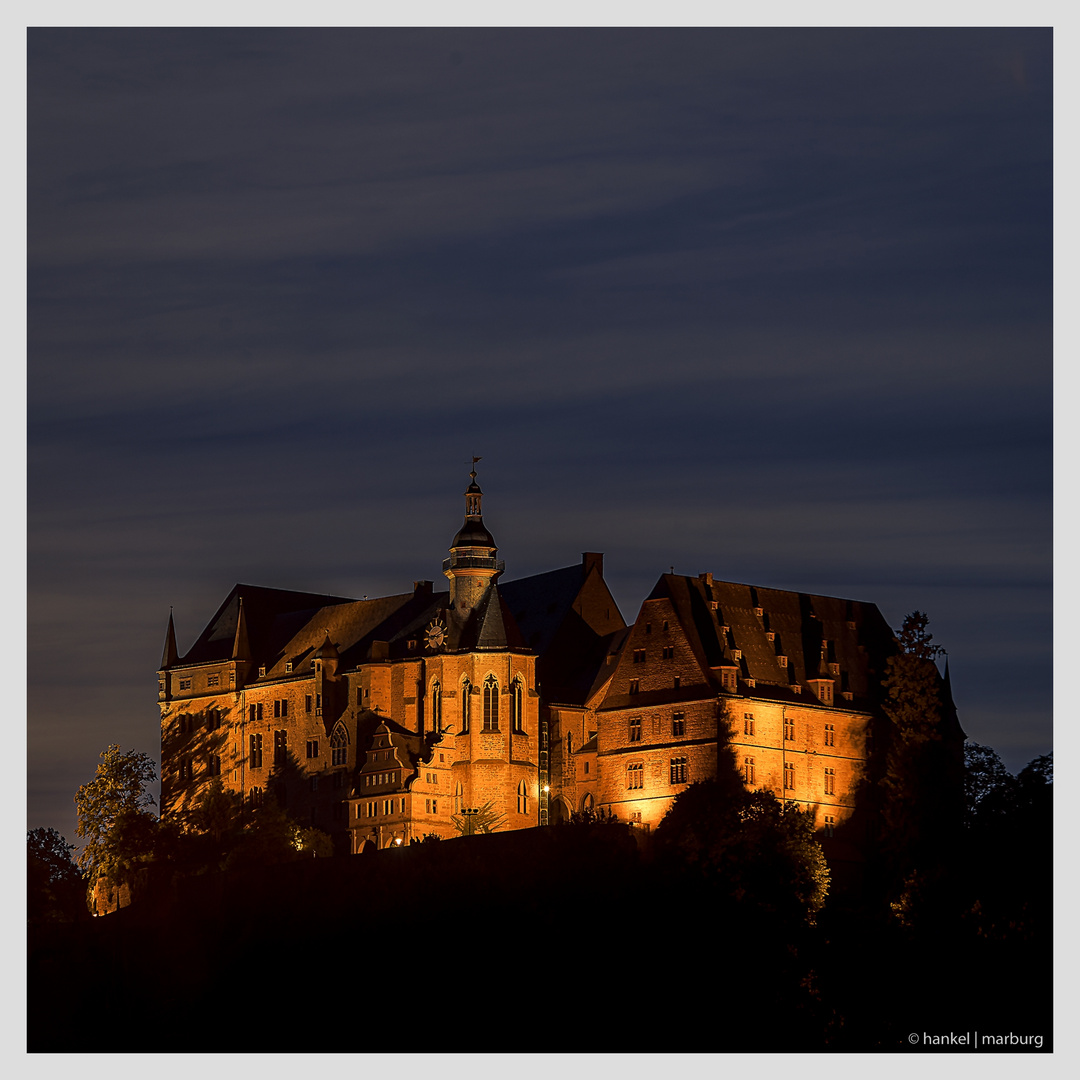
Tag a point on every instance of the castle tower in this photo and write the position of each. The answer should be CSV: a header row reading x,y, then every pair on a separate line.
x,y
472,566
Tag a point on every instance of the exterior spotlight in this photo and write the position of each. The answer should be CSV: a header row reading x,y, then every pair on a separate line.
x,y
546,789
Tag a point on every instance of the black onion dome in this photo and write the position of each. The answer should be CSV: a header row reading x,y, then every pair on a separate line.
x,y
473,534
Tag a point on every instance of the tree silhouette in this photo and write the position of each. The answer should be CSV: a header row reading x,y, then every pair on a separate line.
x,y
486,820
55,888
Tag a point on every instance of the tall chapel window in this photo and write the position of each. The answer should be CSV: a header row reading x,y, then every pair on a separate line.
x,y
491,704
466,689
339,746
522,798
517,720
436,705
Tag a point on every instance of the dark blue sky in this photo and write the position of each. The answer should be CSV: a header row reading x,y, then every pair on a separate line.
x,y
770,303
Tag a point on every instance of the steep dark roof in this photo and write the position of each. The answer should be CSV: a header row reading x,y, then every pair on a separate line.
x,y
539,603
265,611
473,534
855,634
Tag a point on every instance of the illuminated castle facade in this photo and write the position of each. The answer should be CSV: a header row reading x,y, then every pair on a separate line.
x,y
381,721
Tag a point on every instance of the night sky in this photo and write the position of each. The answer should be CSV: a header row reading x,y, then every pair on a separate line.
x,y
775,304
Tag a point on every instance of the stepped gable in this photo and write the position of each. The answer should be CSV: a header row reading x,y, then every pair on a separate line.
x,y
855,634
267,613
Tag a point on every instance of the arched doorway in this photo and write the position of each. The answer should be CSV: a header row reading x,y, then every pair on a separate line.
x,y
559,811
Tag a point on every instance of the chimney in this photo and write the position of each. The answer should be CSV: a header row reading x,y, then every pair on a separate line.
x,y
589,559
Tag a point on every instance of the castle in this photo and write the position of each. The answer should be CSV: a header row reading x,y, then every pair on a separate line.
x,y
381,721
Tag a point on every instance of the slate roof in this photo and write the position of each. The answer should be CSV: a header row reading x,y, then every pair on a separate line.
x,y
855,634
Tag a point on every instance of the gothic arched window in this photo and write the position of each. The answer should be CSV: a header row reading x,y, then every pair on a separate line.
x,y
491,704
517,704
436,705
523,798
466,689
339,746
457,798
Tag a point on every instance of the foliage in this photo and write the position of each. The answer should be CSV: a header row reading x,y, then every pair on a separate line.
x,y
55,889
113,814
427,838
485,820
749,847
313,843
984,775
921,786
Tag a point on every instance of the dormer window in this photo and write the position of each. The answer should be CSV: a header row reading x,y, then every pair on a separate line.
x,y
782,661
288,667
262,672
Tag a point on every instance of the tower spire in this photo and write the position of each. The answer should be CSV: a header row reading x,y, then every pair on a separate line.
x,y
241,649
168,654
472,565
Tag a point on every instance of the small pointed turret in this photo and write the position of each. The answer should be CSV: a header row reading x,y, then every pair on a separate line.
x,y
168,654
241,649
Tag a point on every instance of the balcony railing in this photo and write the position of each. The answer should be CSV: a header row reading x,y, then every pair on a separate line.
x,y
470,562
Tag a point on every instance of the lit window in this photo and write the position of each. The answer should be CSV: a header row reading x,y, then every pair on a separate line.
x,y
748,770
281,747
339,746
255,758
517,701
678,770
491,704
635,729
789,777
522,798
830,781
678,724
635,776
748,723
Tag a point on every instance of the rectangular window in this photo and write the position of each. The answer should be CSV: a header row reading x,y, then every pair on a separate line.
x,y
678,724
255,796
312,748
213,765
281,747
830,781
388,806
255,713
789,730
782,661
789,777
427,806
281,709
255,759
213,680
262,672
678,682
635,729
748,723
586,768
634,686
307,703
288,667
669,652
635,776
830,735
639,656
678,770
830,825
748,770
185,684
372,808
318,704
186,767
